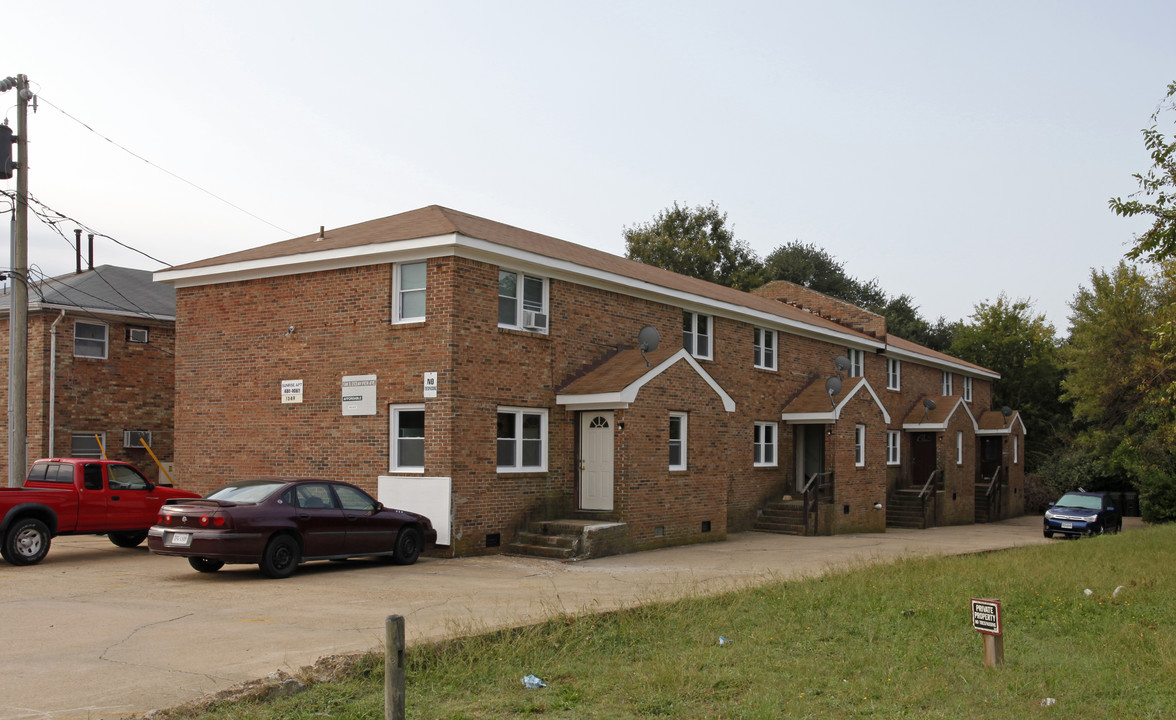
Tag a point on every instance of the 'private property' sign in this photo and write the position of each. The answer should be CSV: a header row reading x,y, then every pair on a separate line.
x,y
986,616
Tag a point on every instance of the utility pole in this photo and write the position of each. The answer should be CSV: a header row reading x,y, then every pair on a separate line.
x,y
18,315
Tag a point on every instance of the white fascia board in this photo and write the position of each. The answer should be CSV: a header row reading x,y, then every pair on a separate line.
x,y
863,384
54,307
1006,430
397,251
566,270
941,364
924,427
823,418
942,427
628,394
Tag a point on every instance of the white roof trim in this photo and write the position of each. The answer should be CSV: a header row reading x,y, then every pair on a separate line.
x,y
473,248
940,427
902,354
1006,430
834,413
628,394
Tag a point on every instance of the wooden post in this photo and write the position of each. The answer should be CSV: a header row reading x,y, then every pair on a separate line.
x,y
993,650
394,668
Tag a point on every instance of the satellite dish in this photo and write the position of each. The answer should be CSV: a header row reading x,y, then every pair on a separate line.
x,y
1006,411
929,403
833,386
647,341
841,363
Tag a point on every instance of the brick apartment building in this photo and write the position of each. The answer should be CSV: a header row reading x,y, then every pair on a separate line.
x,y
493,378
101,346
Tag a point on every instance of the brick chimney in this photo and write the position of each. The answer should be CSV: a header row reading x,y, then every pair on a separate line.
x,y
827,307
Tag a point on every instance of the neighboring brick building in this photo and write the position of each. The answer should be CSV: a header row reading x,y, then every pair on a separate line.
x,y
491,377
101,348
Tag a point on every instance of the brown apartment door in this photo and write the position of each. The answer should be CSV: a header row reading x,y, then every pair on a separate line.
x,y
923,460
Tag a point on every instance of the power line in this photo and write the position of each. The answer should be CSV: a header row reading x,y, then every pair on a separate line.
x,y
162,169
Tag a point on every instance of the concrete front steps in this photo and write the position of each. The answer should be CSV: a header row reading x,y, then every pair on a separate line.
x,y
571,539
905,510
784,517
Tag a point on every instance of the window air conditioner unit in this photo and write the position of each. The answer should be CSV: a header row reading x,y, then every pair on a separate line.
x,y
137,335
534,320
131,438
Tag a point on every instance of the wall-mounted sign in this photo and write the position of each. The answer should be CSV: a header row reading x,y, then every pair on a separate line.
x,y
291,391
359,394
430,384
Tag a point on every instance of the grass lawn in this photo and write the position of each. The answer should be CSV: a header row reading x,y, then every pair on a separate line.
x,y
878,641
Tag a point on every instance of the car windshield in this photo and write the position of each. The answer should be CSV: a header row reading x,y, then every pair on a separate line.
x,y
246,493
1086,502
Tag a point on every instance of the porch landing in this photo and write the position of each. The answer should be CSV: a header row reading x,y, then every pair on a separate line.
x,y
571,539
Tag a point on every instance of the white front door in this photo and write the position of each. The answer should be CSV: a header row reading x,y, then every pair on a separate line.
x,y
596,460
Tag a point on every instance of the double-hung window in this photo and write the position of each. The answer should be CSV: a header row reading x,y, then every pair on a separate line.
x,y
764,342
893,374
407,440
968,389
857,362
859,445
522,440
522,301
410,292
677,441
764,440
893,438
946,382
696,334
90,340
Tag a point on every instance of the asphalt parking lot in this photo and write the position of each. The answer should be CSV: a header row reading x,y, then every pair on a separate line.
x,y
96,631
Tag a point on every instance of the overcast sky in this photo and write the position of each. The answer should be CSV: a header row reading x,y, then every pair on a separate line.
x,y
951,150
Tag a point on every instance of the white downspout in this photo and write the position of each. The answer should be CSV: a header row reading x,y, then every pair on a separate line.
x,y
53,378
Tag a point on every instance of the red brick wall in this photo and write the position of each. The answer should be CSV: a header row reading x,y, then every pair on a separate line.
x,y
132,389
857,489
827,307
957,505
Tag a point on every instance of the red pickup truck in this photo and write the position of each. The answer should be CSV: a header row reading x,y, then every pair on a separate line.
x,y
78,496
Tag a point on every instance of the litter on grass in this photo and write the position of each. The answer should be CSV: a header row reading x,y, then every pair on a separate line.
x,y
1048,701
724,641
531,682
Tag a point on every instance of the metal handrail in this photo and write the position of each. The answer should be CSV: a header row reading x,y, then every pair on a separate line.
x,y
992,484
930,479
810,507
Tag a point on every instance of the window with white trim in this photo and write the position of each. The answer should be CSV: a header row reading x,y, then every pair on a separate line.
x,y
764,342
522,301
893,440
959,448
893,374
522,440
90,339
859,445
678,441
407,438
764,440
857,362
410,292
968,389
87,445
946,383
696,334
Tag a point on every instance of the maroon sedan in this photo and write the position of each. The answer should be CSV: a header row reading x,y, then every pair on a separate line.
x,y
279,523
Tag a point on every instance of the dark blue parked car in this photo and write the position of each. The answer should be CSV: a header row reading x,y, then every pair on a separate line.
x,y
1082,513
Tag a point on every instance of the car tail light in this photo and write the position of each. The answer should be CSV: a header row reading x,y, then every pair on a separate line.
x,y
217,520
164,519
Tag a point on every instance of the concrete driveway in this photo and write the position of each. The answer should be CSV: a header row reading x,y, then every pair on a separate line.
x,y
97,631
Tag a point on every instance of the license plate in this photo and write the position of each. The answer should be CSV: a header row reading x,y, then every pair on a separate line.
x,y
182,539
1067,526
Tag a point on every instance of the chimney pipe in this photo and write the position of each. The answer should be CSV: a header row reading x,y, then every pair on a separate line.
x,y
78,247
91,251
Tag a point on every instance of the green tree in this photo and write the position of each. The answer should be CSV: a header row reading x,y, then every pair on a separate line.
x,y
1157,187
1007,336
1120,362
812,267
696,242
